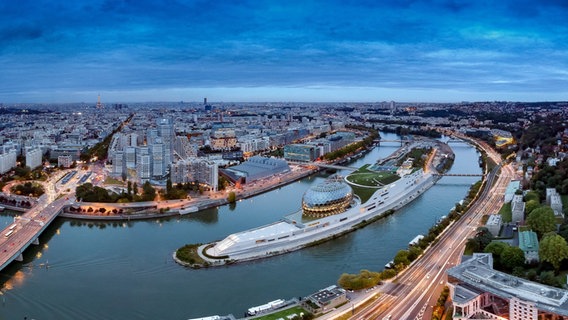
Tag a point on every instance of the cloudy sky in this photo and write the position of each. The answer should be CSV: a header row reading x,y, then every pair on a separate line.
x,y
268,50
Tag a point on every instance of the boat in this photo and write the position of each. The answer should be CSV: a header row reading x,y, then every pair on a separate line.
x,y
2,208
187,210
318,222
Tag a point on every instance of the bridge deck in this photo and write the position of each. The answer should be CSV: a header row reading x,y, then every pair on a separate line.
x,y
28,228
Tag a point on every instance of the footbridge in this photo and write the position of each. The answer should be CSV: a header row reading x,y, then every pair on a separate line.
x,y
26,229
459,174
324,165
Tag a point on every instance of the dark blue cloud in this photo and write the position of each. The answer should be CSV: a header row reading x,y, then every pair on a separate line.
x,y
58,50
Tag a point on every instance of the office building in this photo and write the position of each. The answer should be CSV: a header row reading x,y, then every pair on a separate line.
x,y
480,292
143,164
167,133
300,152
195,170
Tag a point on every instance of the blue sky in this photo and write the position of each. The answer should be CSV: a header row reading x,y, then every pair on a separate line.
x,y
326,50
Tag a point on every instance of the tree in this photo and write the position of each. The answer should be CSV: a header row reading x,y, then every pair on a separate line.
x,y
547,277
135,188
168,185
541,220
129,187
231,197
496,248
512,257
401,258
148,192
532,195
531,205
553,248
482,238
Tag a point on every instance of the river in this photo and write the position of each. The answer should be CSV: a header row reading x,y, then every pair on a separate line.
x,y
125,270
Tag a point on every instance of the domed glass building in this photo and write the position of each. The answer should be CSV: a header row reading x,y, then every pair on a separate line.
x,y
333,196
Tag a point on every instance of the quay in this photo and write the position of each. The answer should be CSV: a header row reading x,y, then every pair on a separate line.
x,y
26,229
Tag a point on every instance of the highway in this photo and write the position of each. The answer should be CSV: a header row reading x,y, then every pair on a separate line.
x,y
414,292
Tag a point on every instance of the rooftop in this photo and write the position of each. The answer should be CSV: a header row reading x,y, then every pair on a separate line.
x,y
477,272
528,241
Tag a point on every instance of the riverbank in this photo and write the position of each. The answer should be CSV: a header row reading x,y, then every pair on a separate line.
x,y
201,203
289,235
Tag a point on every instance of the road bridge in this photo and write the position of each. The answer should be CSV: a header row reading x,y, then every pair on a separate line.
x,y
26,229
459,174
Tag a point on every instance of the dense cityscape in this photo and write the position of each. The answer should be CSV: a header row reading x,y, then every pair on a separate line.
x,y
150,161
284,160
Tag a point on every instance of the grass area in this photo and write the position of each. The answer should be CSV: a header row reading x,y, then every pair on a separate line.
x,y
484,219
188,253
365,182
111,180
506,212
284,313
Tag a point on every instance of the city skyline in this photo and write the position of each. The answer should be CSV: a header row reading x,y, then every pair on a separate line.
x,y
432,51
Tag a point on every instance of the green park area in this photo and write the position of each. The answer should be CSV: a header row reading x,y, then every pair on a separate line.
x,y
283,314
365,182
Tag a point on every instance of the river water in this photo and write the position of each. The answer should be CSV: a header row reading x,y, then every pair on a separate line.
x,y
125,270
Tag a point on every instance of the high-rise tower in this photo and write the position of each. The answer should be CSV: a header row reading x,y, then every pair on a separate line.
x,y
99,104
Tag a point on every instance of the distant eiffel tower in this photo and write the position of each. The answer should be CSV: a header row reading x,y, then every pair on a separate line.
x,y
99,104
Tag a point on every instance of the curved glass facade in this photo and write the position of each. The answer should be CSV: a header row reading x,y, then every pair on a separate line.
x,y
328,198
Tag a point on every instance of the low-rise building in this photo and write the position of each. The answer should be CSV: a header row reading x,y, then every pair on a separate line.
x,y
493,224
512,188
64,161
554,200
528,242
256,168
518,209
325,300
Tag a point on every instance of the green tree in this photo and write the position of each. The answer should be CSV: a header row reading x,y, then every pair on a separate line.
x,y
532,195
135,188
481,239
512,257
231,197
169,185
531,205
148,192
401,258
496,248
541,220
553,248
548,278
129,187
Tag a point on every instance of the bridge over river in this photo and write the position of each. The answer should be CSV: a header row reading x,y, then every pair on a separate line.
x,y
26,229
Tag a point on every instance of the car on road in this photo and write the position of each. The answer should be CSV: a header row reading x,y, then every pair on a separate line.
x,y
388,317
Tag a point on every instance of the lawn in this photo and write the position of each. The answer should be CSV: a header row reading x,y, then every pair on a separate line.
x,y
365,182
283,314
506,213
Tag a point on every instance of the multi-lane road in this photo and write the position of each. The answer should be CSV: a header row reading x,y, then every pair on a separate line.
x,y
414,292
26,228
